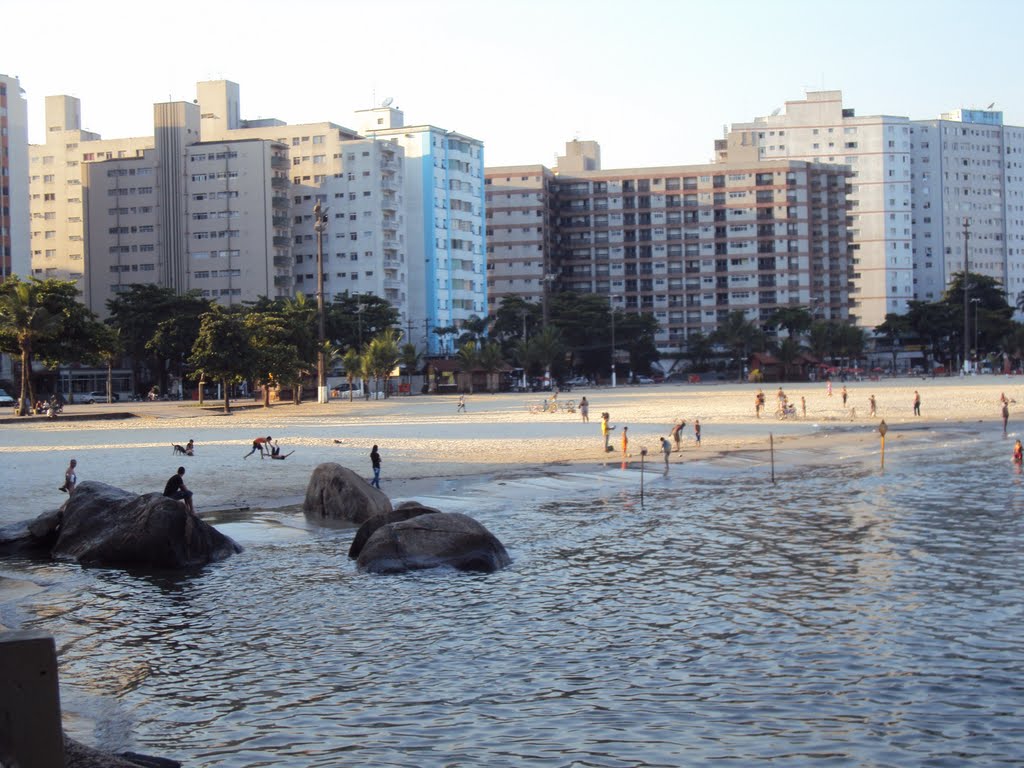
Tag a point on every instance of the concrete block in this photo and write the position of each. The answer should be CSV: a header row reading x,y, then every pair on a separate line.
x,y
30,724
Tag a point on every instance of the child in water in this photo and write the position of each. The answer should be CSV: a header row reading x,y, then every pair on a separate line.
x,y
1018,452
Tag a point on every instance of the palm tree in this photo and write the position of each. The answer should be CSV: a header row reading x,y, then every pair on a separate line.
x,y
410,359
352,362
23,317
490,359
384,355
468,361
740,336
795,320
788,351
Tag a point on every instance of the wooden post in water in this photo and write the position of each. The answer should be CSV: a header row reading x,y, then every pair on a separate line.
x,y
643,454
882,429
771,444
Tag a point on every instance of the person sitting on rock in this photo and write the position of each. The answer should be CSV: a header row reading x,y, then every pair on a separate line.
x,y
177,490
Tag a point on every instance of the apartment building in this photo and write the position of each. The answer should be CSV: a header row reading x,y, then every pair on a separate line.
x,y
521,232
967,167
358,182
877,149
14,211
444,205
56,195
688,244
230,225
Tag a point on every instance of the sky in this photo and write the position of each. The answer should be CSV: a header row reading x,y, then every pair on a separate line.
x,y
653,81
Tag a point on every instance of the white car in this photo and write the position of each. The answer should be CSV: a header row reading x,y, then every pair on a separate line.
x,y
643,380
5,399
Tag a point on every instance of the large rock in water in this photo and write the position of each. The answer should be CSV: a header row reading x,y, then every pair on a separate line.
x,y
104,525
433,540
407,510
339,494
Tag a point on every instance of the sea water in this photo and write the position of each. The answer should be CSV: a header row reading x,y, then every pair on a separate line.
x,y
843,615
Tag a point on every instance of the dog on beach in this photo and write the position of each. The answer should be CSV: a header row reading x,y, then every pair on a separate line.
x,y
184,450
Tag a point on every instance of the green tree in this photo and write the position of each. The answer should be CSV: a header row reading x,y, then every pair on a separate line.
x,y
467,357
410,361
138,312
795,320
740,336
699,349
352,362
891,331
352,320
549,349
383,354
24,323
222,350
106,349
274,358
788,352
490,360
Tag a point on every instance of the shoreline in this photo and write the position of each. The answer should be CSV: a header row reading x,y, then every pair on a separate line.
x,y
429,448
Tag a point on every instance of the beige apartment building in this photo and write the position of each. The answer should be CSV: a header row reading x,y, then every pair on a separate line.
x,y
688,244
56,194
521,232
358,181
14,210
876,149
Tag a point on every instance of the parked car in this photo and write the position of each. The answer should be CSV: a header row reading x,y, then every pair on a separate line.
x,y
101,397
578,381
5,399
643,380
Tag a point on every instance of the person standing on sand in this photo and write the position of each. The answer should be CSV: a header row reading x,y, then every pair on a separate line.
x,y
803,406
605,429
462,404
696,432
625,443
676,432
666,449
375,463
871,405
843,393
584,409
828,388
917,403
759,403
70,478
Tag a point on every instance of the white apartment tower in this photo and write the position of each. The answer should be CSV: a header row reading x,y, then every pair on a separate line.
x,y
14,211
967,167
357,181
444,196
877,149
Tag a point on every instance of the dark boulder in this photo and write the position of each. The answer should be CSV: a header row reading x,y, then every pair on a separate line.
x,y
338,494
108,526
404,511
432,540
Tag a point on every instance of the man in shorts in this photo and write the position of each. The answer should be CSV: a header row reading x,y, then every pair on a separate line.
x,y
177,490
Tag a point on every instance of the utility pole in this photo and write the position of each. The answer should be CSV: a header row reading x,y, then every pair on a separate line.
x,y
611,305
319,225
967,287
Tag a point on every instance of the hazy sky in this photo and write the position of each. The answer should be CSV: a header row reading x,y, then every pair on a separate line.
x,y
653,81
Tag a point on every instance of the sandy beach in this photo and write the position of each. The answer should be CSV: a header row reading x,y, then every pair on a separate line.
x,y
430,449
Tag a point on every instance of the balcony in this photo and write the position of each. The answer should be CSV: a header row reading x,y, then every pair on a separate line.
x,y
279,182
279,201
394,285
392,264
283,261
282,242
279,162
282,280
280,221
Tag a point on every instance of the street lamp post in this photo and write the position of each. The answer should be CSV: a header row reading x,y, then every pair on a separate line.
x,y
611,305
976,301
319,225
967,286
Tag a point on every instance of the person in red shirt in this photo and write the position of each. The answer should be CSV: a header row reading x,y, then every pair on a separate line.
x,y
261,444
